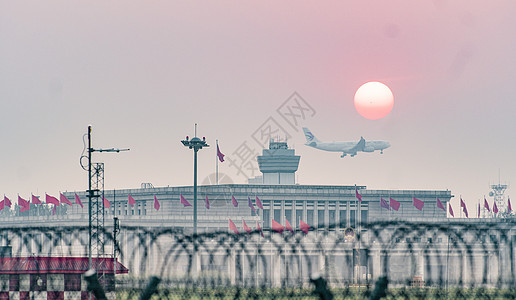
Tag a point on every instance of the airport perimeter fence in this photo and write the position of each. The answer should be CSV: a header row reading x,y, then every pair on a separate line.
x,y
381,259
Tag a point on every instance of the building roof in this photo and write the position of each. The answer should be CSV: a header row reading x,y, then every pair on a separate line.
x,y
59,265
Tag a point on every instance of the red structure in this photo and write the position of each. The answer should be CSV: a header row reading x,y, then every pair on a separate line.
x,y
52,277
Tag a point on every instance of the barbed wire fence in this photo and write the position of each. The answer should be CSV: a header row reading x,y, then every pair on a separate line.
x,y
391,259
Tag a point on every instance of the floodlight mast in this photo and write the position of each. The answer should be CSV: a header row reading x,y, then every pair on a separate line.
x,y
90,192
196,144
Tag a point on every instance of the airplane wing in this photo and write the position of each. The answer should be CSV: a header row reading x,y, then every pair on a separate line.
x,y
359,146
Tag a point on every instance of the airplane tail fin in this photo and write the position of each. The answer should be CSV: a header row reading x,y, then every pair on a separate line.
x,y
310,137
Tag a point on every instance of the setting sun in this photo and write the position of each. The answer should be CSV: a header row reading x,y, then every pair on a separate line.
x,y
374,100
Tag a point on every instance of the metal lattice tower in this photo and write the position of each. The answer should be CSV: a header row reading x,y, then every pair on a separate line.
x,y
97,216
497,192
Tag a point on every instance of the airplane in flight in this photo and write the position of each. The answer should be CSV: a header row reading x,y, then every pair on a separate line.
x,y
346,148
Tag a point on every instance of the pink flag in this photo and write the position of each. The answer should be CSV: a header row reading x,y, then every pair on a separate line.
x,y
35,200
258,228
207,202
451,210
418,203
250,204
495,208
359,197
478,210
259,203
246,228
78,200
64,199
184,201
25,205
51,200
509,207
440,204
234,201
106,202
2,205
464,209
394,204
131,200
486,205
277,227
219,154
384,204
156,203
7,202
233,227
54,210
288,227
304,227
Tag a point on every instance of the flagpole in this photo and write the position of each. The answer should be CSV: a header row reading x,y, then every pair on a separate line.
x,y
217,164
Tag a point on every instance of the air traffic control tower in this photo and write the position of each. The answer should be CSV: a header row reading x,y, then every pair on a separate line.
x,y
278,164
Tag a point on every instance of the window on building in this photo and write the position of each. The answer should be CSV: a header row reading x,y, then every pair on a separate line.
x,y
310,217
277,215
363,216
320,218
288,215
38,282
331,217
299,215
342,216
352,218
266,218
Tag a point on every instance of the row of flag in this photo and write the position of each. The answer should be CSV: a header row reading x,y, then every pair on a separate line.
x,y
275,226
25,204
486,206
233,201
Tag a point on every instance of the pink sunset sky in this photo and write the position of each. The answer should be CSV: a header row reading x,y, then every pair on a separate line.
x,y
143,72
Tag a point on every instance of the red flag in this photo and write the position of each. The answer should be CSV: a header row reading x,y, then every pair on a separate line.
x,y
486,205
2,205
246,228
384,203
131,200
7,202
106,202
495,208
277,227
451,210
219,154
394,204
184,201
25,205
207,202
418,203
156,203
304,227
250,204
288,227
78,200
259,203
233,227
359,197
234,201
509,207
259,229
51,200
464,209
35,200
440,204
64,199
54,210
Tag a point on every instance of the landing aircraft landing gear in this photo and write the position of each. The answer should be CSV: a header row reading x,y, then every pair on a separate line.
x,y
343,154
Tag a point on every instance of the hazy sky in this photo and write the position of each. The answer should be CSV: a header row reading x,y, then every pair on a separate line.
x,y
143,72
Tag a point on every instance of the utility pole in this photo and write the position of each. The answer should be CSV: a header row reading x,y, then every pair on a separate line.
x,y
91,195
196,144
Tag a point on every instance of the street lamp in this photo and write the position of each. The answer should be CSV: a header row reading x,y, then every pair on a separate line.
x,y
196,144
